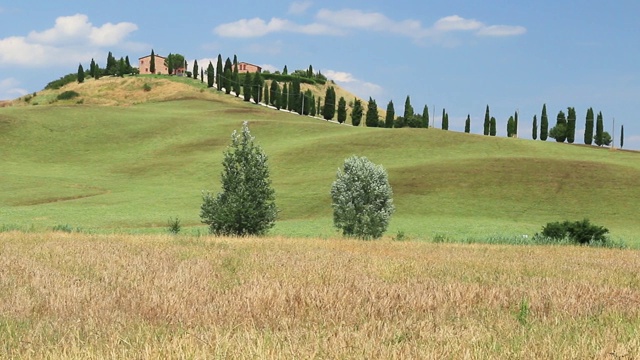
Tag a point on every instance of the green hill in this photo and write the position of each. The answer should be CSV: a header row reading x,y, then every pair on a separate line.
x,y
130,168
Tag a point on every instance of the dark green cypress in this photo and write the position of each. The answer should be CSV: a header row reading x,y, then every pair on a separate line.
x,y
284,100
356,113
534,129
210,75
588,127
329,109
598,139
467,124
80,74
195,69
544,124
445,120
515,125
371,118
492,127
571,125
559,132
219,71
487,122
408,109
425,117
621,136
152,65
247,88
510,126
342,110
391,115
256,88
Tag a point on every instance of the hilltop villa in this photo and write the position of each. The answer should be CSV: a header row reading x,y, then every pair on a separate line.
x,y
244,67
145,65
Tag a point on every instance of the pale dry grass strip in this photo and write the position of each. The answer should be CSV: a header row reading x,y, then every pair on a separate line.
x,y
117,296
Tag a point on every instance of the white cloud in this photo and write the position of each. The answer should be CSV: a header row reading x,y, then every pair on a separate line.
x,y
501,30
361,88
256,27
9,89
329,22
71,40
269,67
299,7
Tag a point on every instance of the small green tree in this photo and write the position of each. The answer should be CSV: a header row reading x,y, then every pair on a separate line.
x,y
256,88
92,68
80,74
408,109
362,199
621,136
544,124
356,113
371,117
390,116
342,110
510,126
559,132
246,205
467,124
534,129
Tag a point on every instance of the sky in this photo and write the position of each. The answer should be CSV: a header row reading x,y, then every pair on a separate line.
x,y
461,55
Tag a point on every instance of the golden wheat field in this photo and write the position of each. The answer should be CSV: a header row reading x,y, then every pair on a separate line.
x,y
150,297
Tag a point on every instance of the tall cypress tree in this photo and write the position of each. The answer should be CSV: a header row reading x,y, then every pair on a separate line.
x,y
247,89
129,69
598,139
295,100
544,124
515,125
487,122
122,67
210,75
273,88
168,62
371,118
227,80
534,129
425,117
467,124
195,69
571,125
510,126
236,76
391,115
80,74
152,65
356,113
408,110
92,68
621,136
277,101
492,126
219,71
342,110
445,120
265,97
284,100
588,127
329,108
257,87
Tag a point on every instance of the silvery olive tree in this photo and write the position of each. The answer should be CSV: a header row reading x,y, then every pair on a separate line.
x,y
246,205
362,199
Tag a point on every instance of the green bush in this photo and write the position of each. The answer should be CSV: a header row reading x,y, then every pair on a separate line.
x,y
146,87
57,84
579,232
67,95
174,226
362,199
63,228
246,205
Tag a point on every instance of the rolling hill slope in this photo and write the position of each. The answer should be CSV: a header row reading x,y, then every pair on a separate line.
x,y
130,168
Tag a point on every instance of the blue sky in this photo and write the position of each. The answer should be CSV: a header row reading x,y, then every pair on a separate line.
x,y
458,54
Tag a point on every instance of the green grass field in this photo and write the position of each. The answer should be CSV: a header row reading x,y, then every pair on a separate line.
x,y
131,168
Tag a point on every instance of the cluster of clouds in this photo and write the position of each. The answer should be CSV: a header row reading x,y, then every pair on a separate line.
x,y
72,37
341,22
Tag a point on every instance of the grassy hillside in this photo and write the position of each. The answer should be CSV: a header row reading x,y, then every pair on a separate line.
x,y
162,297
130,168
